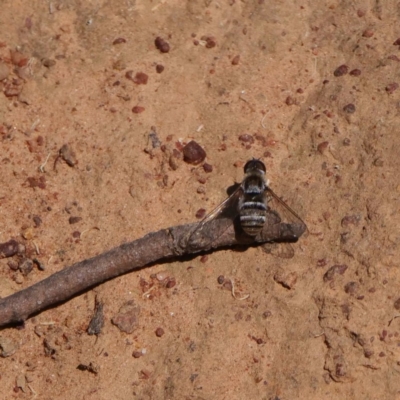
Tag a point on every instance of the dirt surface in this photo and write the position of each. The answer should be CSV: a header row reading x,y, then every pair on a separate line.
x,y
313,85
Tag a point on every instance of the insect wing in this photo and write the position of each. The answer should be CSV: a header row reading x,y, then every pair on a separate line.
x,y
207,231
285,213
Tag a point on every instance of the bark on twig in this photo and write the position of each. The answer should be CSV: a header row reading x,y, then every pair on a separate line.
x,y
166,243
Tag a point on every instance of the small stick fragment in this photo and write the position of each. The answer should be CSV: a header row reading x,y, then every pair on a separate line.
x,y
246,296
97,322
41,167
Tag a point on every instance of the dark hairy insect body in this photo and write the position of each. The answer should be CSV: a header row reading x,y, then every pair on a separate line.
x,y
254,206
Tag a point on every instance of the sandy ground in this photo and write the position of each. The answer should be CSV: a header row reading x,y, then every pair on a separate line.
x,y
328,135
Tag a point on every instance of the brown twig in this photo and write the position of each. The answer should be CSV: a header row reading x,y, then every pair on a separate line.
x,y
166,243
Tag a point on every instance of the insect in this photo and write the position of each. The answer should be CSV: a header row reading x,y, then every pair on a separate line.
x,y
250,207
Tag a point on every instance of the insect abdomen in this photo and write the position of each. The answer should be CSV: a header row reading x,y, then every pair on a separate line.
x,y
252,217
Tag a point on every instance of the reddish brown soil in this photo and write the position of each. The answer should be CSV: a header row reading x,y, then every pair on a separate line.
x,y
88,75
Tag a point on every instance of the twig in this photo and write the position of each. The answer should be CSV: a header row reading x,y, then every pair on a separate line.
x,y
164,244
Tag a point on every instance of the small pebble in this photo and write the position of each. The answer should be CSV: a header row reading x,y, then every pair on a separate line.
x,y
340,71
207,168
137,354
74,220
289,101
235,60
355,72
159,68
391,87
246,138
47,62
221,279
119,40
396,304
204,258
26,266
9,249
349,108
200,214
368,33
162,45
322,147
193,153
138,109
141,78
127,319
210,41
68,155
171,282
351,287
334,270
159,332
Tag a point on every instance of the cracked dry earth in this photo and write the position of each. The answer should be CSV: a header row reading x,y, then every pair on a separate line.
x,y
312,88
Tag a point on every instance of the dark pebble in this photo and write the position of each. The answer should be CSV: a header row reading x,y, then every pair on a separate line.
x,y
210,41
397,304
349,108
397,42
236,60
74,220
141,78
204,258
162,45
391,87
193,153
159,332
9,249
322,147
340,71
200,214
355,72
26,266
40,266
37,220
119,40
68,155
289,101
159,68
246,138
13,265
170,283
221,279
332,271
207,168
48,62
368,33
138,109
351,287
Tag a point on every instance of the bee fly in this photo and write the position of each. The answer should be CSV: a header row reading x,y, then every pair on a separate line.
x,y
253,204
